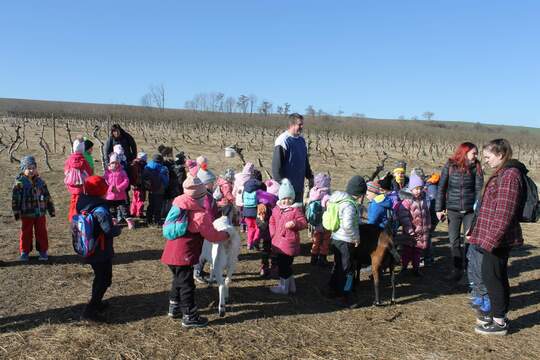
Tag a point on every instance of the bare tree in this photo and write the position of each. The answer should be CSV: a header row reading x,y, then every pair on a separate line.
x,y
146,100
265,108
242,103
154,97
286,108
230,102
279,110
428,115
310,111
252,102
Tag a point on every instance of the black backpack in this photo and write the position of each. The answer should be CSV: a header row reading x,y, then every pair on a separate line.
x,y
530,211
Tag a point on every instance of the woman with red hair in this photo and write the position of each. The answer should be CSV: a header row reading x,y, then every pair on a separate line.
x,y
460,187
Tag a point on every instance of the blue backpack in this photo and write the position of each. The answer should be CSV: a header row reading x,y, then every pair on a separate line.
x,y
83,234
176,223
249,199
314,213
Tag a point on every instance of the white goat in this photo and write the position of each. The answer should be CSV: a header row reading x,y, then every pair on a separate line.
x,y
222,256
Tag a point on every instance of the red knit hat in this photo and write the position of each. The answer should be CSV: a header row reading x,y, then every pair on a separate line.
x,y
95,186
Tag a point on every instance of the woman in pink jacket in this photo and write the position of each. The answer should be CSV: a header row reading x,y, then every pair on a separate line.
x,y
286,222
415,219
182,253
76,170
118,182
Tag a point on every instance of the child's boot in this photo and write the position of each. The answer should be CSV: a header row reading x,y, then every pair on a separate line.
x,y
43,256
282,288
130,223
24,257
194,321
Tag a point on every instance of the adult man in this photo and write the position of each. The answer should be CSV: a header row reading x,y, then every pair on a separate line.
x,y
290,159
120,136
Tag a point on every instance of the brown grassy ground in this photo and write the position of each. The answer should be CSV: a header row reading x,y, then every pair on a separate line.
x,y
40,303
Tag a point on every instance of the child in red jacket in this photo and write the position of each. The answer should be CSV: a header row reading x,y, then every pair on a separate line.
x,y
182,253
286,222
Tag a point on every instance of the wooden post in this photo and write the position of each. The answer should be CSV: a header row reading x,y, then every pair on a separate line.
x,y
54,133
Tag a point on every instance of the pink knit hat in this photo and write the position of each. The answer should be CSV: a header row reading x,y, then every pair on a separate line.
x,y
272,186
194,187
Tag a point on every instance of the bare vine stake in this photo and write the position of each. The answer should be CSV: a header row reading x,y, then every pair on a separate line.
x,y
102,145
54,133
15,145
43,144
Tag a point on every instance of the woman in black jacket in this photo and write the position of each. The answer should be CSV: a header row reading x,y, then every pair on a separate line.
x,y
460,187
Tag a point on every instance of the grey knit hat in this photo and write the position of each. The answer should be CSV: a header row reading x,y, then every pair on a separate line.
x,y
27,161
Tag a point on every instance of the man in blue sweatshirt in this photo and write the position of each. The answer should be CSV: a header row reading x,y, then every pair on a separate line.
x,y
290,159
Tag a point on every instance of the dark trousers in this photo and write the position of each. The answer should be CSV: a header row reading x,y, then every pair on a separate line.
x,y
155,205
455,220
183,289
341,279
495,277
102,280
285,265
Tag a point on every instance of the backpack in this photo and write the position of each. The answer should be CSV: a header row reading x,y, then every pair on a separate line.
x,y
249,199
314,213
530,211
83,232
330,218
75,177
176,223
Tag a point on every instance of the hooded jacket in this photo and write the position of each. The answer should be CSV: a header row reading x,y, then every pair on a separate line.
x,y
349,218
497,222
155,177
459,190
77,161
415,219
119,179
127,142
252,185
31,197
186,250
378,210
287,241
103,226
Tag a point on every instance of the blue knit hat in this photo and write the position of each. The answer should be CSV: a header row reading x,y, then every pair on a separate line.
x,y
27,161
286,190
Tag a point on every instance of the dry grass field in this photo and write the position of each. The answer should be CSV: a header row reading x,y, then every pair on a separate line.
x,y
40,303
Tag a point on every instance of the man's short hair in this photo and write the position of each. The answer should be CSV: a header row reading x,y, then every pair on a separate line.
x,y
294,117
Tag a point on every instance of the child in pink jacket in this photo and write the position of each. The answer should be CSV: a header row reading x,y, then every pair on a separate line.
x,y
118,182
415,219
286,222
76,170
240,180
320,237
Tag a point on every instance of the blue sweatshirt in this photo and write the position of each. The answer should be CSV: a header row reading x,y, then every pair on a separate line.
x,y
378,210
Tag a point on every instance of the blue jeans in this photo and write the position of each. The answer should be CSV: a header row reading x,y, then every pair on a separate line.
x,y
474,271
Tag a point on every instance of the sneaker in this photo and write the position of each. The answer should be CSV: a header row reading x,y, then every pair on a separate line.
x,y
24,257
492,329
194,321
483,319
174,310
199,277
43,256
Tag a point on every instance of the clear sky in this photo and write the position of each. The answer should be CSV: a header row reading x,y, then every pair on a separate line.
x,y
461,59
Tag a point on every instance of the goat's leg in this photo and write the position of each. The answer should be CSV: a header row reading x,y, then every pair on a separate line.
x,y
376,271
222,294
393,280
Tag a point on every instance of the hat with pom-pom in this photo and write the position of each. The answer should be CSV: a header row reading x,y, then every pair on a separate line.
x,y
286,190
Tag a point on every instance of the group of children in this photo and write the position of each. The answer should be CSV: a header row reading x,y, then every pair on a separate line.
x,y
265,210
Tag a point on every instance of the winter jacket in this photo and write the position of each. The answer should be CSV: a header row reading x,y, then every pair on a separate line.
x,y
31,198
181,175
127,142
379,209
238,189
252,185
155,177
287,241
118,179
103,226
497,224
349,218
415,219
90,159
290,160
172,189
135,171
77,161
226,189
186,250
459,190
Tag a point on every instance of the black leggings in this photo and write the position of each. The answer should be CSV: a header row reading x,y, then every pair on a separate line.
x,y
455,220
285,265
102,280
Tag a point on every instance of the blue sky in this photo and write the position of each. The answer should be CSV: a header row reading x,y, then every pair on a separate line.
x,y
463,60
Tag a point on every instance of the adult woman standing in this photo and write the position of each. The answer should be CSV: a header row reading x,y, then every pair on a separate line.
x,y
460,186
496,230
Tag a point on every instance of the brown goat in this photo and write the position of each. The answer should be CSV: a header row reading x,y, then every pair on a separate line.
x,y
376,249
